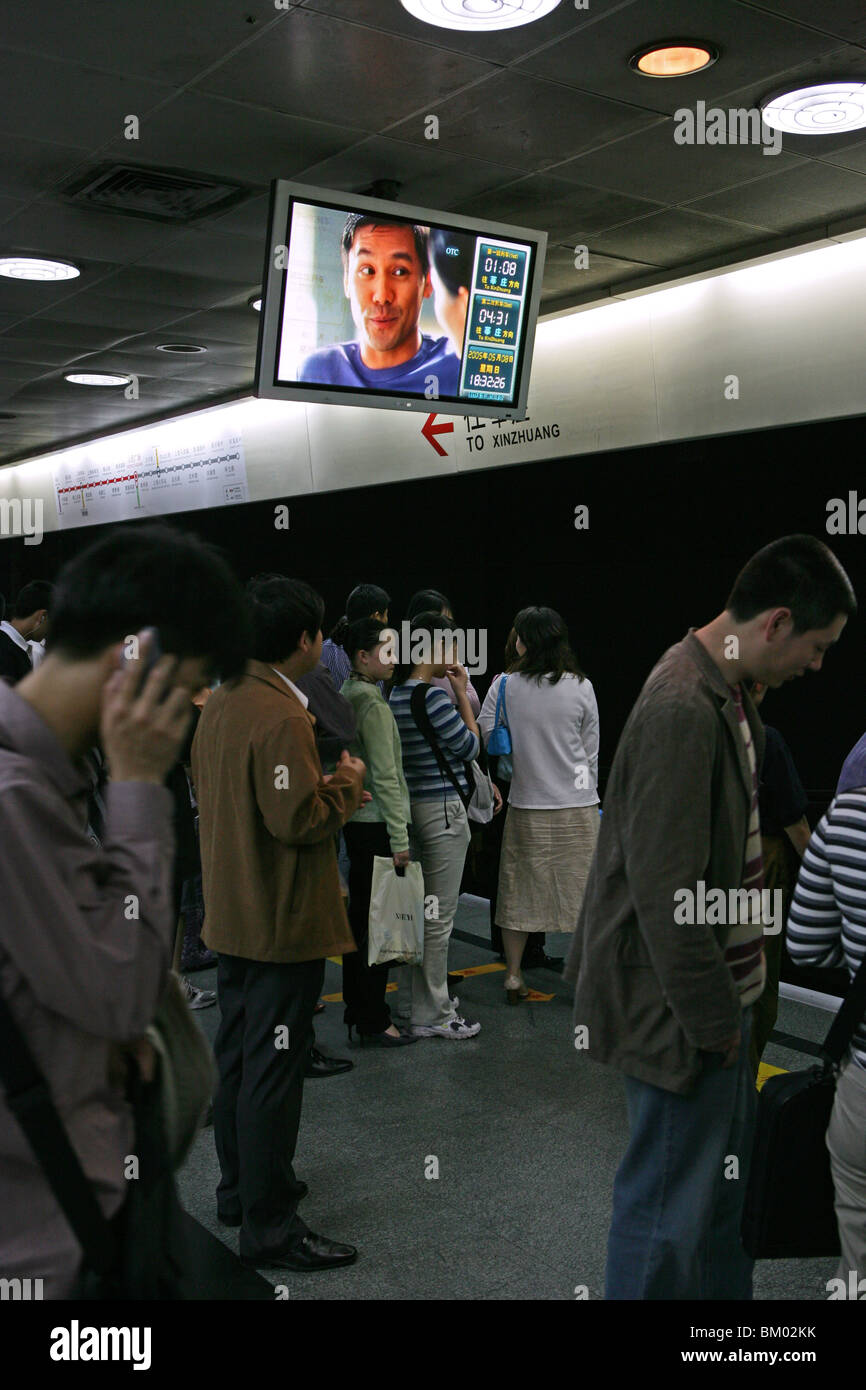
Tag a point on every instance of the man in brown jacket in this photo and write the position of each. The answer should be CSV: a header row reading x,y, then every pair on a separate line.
x,y
274,912
667,952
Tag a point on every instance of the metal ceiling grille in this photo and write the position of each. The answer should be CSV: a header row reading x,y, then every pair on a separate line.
x,y
164,194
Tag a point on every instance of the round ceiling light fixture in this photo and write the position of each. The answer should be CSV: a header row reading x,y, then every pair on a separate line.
x,y
181,347
480,15
825,108
673,58
97,379
32,268
255,303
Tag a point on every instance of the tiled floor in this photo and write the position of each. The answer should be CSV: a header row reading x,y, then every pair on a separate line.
x,y
526,1134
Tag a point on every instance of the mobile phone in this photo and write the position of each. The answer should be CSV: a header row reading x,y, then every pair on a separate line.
x,y
153,655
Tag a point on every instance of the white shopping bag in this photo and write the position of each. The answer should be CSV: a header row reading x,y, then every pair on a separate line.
x,y
396,915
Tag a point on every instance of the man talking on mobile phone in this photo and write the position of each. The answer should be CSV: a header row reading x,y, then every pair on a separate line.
x,y
80,972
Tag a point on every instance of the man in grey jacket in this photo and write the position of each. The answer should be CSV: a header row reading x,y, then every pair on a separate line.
x,y
86,930
668,950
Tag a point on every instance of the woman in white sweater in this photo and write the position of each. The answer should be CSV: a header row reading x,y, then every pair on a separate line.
x,y
552,824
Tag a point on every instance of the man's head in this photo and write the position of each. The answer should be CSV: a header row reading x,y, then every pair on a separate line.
x,y
789,605
150,576
30,615
286,617
386,277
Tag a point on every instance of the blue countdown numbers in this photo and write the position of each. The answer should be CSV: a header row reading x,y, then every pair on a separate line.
x,y
493,322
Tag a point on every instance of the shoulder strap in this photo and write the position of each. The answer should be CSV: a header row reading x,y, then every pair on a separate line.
x,y
30,1101
501,712
418,707
849,1016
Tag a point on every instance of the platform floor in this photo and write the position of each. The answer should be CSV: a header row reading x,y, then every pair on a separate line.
x,y
526,1135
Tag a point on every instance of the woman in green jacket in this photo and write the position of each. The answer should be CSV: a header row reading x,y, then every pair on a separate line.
x,y
380,827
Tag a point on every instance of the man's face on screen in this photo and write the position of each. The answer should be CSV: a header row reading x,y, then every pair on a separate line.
x,y
386,286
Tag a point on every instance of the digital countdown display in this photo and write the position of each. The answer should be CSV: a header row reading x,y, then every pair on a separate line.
x,y
374,303
496,307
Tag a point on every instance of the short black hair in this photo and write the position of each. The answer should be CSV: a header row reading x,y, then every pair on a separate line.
x,y
797,572
35,595
362,636
281,611
428,601
151,576
356,220
363,602
453,255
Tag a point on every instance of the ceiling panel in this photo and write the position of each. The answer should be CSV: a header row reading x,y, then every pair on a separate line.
x,y
504,47
596,58
428,175
651,165
299,69
164,40
795,197
561,208
844,18
542,125
209,135
663,238
79,106
525,123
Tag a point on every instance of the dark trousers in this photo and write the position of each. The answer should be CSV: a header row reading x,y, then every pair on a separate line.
x,y
364,985
264,1034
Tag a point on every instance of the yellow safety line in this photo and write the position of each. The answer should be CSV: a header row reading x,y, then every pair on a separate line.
x,y
765,1071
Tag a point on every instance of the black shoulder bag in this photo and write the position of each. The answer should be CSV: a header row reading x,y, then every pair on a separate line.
x,y
788,1211
417,704
137,1254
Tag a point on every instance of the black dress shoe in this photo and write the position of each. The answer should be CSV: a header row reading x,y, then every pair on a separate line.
x,y
317,1064
313,1252
234,1218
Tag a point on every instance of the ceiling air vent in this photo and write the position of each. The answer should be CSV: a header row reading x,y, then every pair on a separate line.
x,y
169,195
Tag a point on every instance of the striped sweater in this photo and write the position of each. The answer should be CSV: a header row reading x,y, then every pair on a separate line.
x,y
827,918
458,744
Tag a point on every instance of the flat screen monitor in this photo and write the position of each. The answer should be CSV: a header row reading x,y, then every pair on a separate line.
x,y
372,303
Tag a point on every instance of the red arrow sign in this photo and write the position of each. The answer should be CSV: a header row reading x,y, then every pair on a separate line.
x,y
429,431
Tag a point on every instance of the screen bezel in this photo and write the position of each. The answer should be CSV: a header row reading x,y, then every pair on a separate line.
x,y
283,192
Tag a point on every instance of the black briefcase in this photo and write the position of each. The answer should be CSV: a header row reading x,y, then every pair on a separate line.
x,y
788,1211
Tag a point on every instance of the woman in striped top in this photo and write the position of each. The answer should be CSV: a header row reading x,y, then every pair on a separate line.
x,y
827,926
439,835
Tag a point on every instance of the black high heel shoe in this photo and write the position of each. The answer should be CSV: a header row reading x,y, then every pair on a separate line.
x,y
386,1039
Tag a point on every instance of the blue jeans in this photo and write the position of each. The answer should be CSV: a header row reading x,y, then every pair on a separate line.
x,y
675,1232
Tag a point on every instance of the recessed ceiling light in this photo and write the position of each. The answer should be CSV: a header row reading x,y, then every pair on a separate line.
x,y
97,379
256,303
479,14
673,58
31,268
827,108
180,347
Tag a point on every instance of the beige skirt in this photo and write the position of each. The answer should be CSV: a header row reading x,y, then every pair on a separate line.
x,y
544,867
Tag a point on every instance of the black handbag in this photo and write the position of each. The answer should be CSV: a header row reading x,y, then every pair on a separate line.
x,y
138,1254
788,1211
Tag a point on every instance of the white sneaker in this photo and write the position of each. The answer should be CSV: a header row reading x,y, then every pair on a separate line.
x,y
197,998
454,1028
